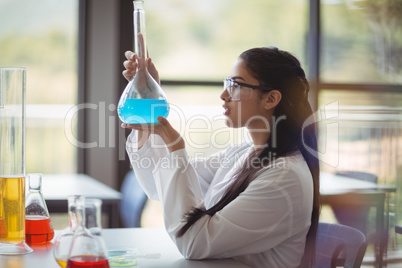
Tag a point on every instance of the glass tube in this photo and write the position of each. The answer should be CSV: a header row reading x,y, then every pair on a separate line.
x,y
12,157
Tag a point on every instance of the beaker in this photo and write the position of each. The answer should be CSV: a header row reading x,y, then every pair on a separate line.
x,y
12,159
63,241
38,227
143,100
93,209
87,250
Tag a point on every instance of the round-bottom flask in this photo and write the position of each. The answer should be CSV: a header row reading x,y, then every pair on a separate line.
x,y
143,100
87,250
63,241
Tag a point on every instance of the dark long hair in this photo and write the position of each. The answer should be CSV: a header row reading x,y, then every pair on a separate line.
x,y
282,71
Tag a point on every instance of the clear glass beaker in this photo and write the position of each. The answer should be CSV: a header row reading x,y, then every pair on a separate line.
x,y
93,210
63,241
12,158
87,250
38,227
143,100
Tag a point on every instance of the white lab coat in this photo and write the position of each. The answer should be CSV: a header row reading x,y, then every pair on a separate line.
x,y
265,226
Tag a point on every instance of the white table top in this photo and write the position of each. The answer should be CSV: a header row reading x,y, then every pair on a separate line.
x,y
335,184
149,241
60,186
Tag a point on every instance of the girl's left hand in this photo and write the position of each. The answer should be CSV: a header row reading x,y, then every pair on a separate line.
x,y
164,129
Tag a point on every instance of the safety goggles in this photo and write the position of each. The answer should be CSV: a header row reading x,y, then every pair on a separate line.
x,y
238,90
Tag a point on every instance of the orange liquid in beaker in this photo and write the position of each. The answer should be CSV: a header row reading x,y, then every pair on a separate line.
x,y
12,209
38,229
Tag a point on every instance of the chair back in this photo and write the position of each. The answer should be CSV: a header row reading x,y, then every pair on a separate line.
x,y
359,175
132,202
339,244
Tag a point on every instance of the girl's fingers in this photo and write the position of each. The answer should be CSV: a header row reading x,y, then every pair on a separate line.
x,y
164,129
130,64
164,123
130,55
131,67
128,75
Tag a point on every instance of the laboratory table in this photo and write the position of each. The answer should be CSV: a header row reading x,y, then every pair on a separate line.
x,y
154,245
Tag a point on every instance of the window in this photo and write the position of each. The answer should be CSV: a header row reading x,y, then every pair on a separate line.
x,y
361,41
361,71
42,36
361,77
201,40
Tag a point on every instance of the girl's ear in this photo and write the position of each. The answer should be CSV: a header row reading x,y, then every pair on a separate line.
x,y
272,99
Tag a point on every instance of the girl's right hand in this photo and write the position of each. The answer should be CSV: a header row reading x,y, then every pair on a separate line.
x,y
131,65
170,136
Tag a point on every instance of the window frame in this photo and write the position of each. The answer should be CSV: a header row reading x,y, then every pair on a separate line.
x,y
120,11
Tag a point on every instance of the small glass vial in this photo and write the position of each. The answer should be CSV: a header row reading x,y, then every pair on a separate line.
x,y
62,243
38,227
87,249
143,100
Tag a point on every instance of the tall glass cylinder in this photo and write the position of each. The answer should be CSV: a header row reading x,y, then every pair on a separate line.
x,y
12,161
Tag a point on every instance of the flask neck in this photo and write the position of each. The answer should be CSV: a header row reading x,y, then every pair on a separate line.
x,y
35,182
72,210
80,212
140,46
72,220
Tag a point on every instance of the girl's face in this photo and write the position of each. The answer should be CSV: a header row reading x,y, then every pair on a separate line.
x,y
250,110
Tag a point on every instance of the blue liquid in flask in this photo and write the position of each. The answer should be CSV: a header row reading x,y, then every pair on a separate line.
x,y
143,111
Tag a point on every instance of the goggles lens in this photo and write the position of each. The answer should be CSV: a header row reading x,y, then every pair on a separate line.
x,y
235,90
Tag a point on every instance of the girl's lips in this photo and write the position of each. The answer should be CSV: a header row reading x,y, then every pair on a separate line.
x,y
227,111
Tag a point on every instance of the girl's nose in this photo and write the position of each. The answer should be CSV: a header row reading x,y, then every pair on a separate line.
x,y
225,95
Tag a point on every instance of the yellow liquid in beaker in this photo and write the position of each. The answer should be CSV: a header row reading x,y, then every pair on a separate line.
x,y
62,263
12,209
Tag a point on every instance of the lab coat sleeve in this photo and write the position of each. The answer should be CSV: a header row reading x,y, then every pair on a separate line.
x,y
153,155
145,160
259,218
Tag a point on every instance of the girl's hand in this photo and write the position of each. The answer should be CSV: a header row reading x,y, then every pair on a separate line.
x,y
169,135
132,63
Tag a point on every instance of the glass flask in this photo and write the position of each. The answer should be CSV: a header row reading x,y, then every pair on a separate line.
x,y
12,161
93,209
63,241
87,250
38,227
143,100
